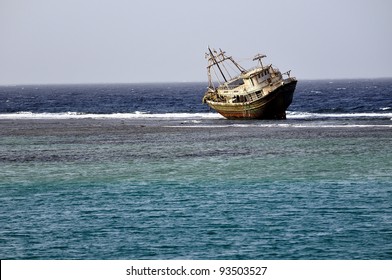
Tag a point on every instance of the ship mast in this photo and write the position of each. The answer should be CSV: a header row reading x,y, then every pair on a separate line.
x,y
259,57
217,64
217,59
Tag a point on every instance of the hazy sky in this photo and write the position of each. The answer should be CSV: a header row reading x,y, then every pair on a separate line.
x,y
109,41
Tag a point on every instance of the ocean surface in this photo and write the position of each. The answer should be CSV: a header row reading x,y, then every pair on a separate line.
x,y
145,171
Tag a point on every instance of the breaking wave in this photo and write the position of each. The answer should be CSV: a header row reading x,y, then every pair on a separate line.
x,y
134,115
315,116
199,116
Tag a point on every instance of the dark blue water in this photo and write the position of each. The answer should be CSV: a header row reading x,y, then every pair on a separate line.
x,y
148,172
335,96
104,99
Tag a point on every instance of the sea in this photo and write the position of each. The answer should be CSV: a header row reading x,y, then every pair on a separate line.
x,y
146,171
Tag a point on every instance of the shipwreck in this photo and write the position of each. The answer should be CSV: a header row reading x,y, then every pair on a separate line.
x,y
262,92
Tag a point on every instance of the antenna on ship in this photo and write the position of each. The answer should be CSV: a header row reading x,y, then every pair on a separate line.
x,y
259,57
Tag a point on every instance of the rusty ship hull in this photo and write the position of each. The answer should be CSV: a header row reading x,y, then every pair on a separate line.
x,y
260,92
271,106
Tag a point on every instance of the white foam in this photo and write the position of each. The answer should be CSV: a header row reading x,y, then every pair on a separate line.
x,y
195,116
277,125
134,115
342,125
307,115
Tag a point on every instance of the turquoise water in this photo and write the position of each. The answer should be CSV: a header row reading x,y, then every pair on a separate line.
x,y
115,189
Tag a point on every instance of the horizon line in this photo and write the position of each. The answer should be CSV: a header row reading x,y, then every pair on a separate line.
x,y
169,82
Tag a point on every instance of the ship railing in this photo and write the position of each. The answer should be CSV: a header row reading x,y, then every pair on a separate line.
x,y
252,68
229,87
262,68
